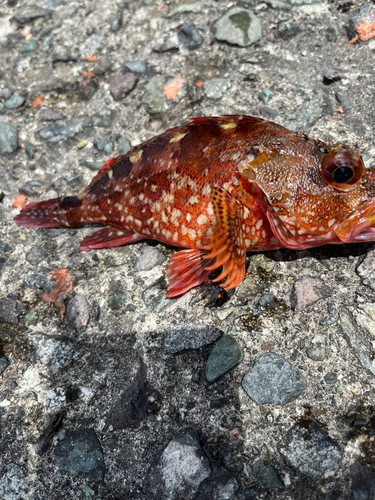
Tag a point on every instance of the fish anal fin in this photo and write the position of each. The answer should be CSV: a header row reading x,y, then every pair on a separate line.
x,y
187,269
108,237
227,242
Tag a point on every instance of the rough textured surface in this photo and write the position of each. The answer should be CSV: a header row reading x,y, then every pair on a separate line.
x,y
115,379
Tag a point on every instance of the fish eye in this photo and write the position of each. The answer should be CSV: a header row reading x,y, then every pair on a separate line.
x,y
342,168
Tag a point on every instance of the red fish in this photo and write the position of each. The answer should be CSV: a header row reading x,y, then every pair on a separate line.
x,y
220,187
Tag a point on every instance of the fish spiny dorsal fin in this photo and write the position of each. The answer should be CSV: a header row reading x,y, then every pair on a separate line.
x,y
228,245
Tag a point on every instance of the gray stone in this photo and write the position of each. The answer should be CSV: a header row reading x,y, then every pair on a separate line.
x,y
104,118
362,482
312,452
35,255
56,133
3,364
225,355
154,298
366,270
28,13
103,65
273,380
188,38
309,112
189,336
343,100
185,8
104,143
15,484
216,88
288,29
115,21
307,291
122,85
267,300
80,453
365,317
54,3
265,96
117,296
149,258
30,150
154,98
136,67
29,46
14,102
10,309
50,115
123,146
332,32
330,378
39,280
267,475
8,138
238,26
183,465
77,312
316,353
50,352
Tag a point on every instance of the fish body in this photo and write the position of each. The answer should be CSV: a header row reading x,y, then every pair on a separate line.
x,y
220,187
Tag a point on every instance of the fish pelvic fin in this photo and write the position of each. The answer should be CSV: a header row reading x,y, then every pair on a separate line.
x,y
227,241
57,212
108,237
187,269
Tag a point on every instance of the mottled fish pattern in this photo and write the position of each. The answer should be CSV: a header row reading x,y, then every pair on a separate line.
x,y
220,187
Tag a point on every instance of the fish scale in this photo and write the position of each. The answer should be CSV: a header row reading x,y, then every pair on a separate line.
x,y
219,187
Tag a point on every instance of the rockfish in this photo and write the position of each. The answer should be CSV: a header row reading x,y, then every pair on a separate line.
x,y
220,187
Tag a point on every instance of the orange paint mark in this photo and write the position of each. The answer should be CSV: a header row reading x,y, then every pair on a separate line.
x,y
92,58
340,109
366,27
159,8
38,101
173,88
353,40
86,78
63,285
199,84
20,201
234,432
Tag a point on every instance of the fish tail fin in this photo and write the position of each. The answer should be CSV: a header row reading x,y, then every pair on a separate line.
x,y
57,212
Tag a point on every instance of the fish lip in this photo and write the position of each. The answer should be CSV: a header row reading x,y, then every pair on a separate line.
x,y
358,227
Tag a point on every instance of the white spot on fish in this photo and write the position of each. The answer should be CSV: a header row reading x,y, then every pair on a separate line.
x,y
202,219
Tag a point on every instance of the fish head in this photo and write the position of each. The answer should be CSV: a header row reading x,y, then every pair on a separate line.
x,y
323,194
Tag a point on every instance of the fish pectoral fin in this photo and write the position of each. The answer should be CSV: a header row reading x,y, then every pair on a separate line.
x,y
186,269
227,241
107,237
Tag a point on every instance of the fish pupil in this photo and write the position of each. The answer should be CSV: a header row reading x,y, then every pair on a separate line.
x,y
343,174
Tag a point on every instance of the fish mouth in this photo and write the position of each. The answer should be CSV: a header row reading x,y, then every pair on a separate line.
x,y
358,227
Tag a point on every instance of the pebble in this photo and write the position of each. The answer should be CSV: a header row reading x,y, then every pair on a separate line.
x,y
123,145
332,75
185,8
221,485
362,482
188,38
139,68
104,118
312,452
94,166
268,113
30,150
77,312
154,297
29,46
307,291
288,29
121,85
103,65
316,353
50,115
225,355
149,258
189,336
39,280
265,96
216,88
27,13
116,297
54,3
80,453
36,255
182,465
332,33
238,26
63,58
115,21
154,98
14,102
16,484
52,353
273,380
267,475
3,364
8,138
309,112
343,100
57,133
267,300
330,378
366,270
10,309
104,143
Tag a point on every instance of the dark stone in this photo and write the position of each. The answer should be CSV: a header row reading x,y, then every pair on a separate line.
x,y
121,85
115,21
267,300
56,133
189,336
332,76
29,46
117,296
155,299
363,483
80,453
343,100
273,380
3,364
50,115
268,113
104,143
30,150
139,68
288,29
103,66
219,485
39,280
189,38
225,355
64,58
10,309
28,13
267,475
77,312
35,255
331,378
14,102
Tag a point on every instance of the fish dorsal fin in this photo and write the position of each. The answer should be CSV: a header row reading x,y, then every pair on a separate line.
x,y
227,241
